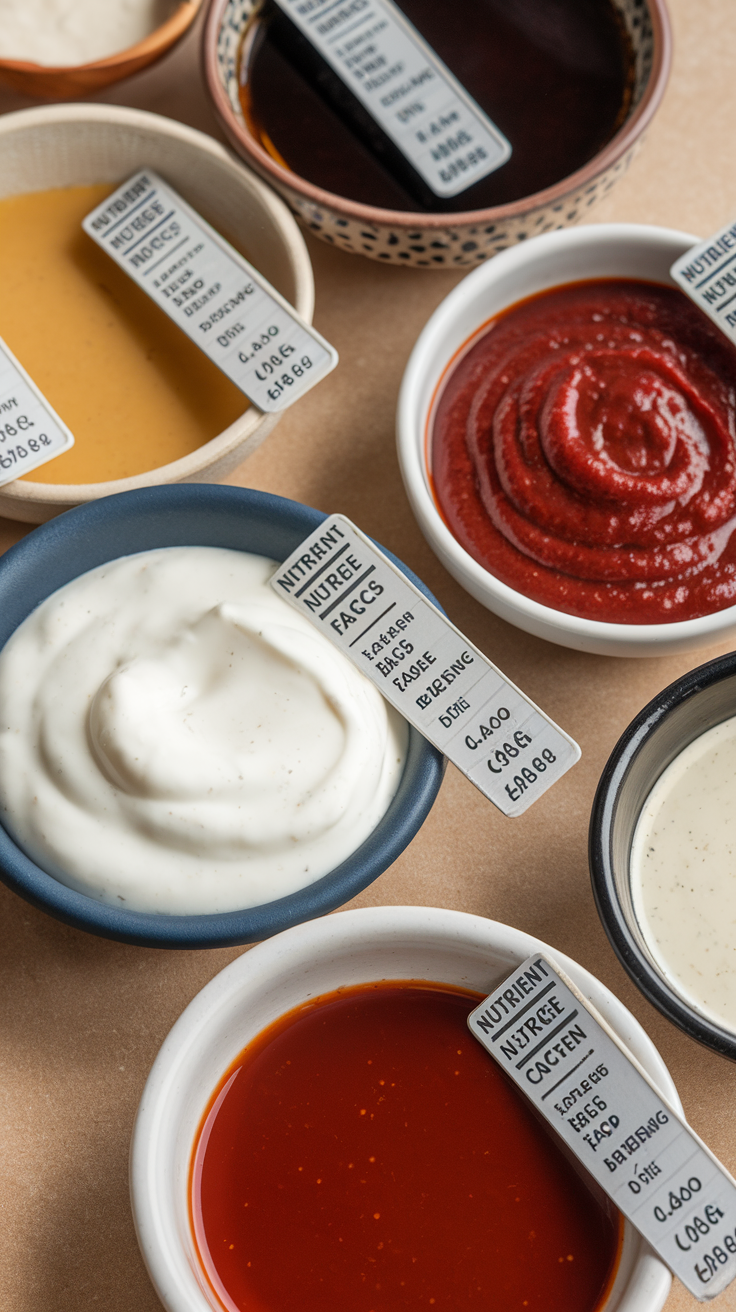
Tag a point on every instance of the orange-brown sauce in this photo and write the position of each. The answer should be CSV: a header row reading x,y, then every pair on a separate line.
x,y
365,1154
135,392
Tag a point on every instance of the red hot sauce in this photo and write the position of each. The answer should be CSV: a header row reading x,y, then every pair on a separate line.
x,y
364,1154
582,450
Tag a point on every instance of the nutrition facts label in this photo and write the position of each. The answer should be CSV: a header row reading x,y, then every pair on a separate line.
x,y
707,272
409,92
220,301
424,666
541,1031
30,431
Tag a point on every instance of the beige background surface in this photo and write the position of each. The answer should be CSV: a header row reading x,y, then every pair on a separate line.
x,y
81,1019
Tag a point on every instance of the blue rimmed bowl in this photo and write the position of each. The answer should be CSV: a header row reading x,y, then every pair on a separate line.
x,y
212,516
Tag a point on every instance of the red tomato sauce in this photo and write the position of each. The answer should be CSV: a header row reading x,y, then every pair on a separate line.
x,y
583,452
364,1154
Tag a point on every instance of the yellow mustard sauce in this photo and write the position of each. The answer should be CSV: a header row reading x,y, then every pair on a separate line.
x,y
135,392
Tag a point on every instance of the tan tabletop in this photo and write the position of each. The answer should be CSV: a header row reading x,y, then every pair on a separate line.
x,y
81,1019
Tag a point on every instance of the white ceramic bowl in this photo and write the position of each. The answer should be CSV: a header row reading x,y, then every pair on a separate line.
x,y
68,81
350,947
67,145
611,250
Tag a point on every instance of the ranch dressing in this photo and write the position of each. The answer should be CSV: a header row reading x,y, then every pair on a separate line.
x,y
175,738
683,873
62,33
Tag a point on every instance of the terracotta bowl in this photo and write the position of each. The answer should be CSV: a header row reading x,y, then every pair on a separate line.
x,y
67,82
434,241
64,145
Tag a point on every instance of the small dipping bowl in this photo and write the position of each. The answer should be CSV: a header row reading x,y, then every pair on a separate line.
x,y
354,947
72,145
243,520
610,250
439,241
68,81
674,718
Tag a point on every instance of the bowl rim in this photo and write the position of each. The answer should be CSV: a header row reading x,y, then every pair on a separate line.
x,y
284,178
261,968
157,41
411,436
60,495
415,796
602,878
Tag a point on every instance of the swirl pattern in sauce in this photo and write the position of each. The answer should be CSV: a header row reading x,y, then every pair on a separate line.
x,y
583,451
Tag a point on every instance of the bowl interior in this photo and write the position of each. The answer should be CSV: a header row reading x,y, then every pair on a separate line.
x,y
605,251
598,251
233,16
70,81
183,516
63,147
84,144
680,714
352,947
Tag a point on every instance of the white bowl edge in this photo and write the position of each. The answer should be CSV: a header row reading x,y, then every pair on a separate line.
x,y
348,947
572,255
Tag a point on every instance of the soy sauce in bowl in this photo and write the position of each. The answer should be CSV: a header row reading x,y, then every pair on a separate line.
x,y
556,76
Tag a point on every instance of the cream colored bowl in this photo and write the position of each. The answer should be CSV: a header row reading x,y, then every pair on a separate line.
x,y
68,145
607,250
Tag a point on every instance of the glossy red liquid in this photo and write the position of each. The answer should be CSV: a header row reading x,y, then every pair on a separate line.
x,y
583,452
364,1154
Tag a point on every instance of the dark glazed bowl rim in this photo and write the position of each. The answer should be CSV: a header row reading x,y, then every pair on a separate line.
x,y
605,892
179,515
628,134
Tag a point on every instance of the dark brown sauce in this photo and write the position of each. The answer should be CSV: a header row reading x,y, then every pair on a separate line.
x,y
556,76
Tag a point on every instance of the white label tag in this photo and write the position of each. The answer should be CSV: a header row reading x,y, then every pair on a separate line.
x,y
409,92
237,318
568,1062
423,665
707,273
30,431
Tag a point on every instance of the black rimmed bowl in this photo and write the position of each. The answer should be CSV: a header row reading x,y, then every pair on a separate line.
x,y
193,515
664,728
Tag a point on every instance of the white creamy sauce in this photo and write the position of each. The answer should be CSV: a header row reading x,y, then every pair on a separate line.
x,y
683,873
67,32
175,738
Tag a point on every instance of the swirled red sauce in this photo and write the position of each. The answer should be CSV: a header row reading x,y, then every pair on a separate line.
x,y
583,451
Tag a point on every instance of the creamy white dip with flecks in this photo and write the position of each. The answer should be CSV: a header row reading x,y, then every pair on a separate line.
x,y
683,873
176,738
62,33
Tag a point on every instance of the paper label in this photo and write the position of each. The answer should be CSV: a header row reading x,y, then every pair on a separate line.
x,y
30,431
543,1033
220,301
410,93
707,273
440,682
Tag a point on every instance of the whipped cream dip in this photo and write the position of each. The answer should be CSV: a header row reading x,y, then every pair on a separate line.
x,y
683,873
175,738
63,33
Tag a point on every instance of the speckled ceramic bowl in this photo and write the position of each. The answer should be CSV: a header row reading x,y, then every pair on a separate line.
x,y
434,241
